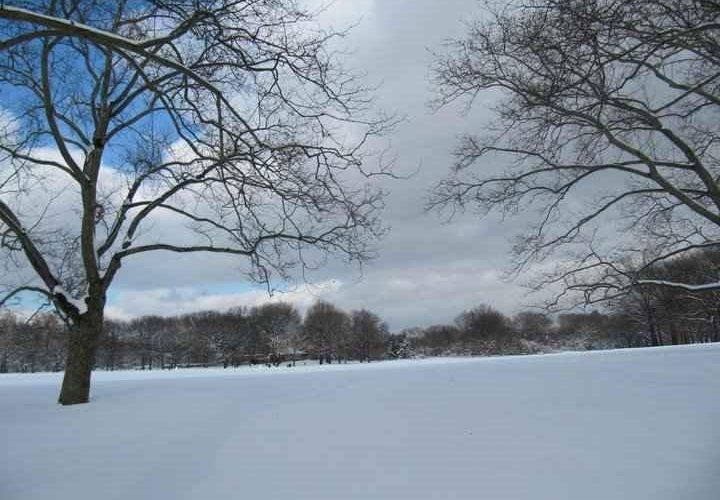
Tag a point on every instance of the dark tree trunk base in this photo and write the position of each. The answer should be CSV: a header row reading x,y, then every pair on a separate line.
x,y
82,345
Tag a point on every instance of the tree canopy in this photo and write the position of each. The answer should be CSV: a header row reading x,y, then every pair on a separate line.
x,y
606,127
231,121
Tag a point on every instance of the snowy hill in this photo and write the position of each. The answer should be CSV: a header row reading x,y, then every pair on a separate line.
x,y
636,424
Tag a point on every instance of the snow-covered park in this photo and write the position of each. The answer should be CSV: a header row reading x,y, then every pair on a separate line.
x,y
630,424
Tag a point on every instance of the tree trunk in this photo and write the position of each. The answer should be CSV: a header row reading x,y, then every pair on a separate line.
x,y
655,339
82,346
673,334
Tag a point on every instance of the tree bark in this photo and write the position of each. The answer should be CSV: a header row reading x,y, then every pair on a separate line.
x,y
655,338
674,340
82,346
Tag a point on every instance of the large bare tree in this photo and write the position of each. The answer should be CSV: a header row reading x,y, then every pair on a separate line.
x,y
606,126
116,117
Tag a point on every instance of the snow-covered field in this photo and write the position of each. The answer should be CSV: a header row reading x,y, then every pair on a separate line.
x,y
640,424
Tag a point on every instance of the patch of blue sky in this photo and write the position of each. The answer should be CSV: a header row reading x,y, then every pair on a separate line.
x,y
73,86
200,290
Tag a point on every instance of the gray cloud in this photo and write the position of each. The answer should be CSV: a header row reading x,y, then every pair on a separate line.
x,y
427,271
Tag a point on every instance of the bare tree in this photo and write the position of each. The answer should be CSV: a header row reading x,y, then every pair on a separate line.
x,y
229,117
676,315
326,330
367,335
279,324
437,340
606,127
532,325
485,330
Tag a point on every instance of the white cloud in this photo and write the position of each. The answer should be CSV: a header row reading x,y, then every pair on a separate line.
x,y
428,272
171,301
428,294
403,296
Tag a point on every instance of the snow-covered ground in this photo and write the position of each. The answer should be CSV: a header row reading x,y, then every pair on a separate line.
x,y
640,424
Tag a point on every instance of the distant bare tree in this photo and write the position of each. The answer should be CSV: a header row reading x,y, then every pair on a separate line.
x,y
227,332
579,331
436,340
7,328
640,310
113,347
607,123
146,332
279,324
367,335
532,325
676,315
485,330
326,330
230,117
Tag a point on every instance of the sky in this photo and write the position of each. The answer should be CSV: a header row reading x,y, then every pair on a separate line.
x,y
428,270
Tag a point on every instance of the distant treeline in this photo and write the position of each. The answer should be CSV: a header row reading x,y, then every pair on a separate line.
x,y
270,334
275,333
651,313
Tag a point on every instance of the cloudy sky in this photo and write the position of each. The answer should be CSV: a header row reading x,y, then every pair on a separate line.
x,y
427,271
